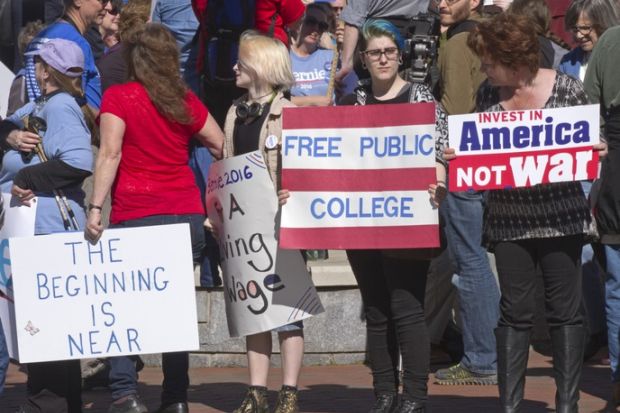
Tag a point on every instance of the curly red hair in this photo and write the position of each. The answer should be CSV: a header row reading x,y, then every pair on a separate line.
x,y
508,39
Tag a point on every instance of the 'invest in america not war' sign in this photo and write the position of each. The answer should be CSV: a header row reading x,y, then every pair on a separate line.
x,y
130,293
358,177
512,149
264,286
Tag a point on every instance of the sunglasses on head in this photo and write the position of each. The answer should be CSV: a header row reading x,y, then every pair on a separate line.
x,y
313,21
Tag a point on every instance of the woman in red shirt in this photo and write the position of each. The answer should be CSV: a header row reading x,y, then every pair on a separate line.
x,y
146,127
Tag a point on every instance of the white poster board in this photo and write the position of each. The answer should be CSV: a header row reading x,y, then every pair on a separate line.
x,y
18,222
130,293
6,79
264,287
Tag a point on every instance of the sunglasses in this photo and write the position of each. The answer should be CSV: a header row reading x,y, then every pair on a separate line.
x,y
313,21
114,12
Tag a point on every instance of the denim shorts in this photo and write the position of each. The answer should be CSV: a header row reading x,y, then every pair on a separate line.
x,y
296,326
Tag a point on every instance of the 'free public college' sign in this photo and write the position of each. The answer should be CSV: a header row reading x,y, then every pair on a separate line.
x,y
358,177
512,149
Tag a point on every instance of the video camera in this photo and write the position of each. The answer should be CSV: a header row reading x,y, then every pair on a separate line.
x,y
421,45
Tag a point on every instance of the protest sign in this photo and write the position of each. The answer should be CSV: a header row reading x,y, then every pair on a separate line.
x,y
512,149
6,79
130,293
358,177
18,222
264,287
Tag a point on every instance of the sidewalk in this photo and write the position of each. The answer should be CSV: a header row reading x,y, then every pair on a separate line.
x,y
340,389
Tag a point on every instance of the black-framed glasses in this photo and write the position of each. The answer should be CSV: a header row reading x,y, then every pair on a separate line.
x,y
391,53
583,30
313,21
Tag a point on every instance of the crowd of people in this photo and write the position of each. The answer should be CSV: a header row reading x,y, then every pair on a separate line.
x,y
119,109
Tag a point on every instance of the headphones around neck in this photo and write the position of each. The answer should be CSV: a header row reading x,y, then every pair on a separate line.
x,y
247,110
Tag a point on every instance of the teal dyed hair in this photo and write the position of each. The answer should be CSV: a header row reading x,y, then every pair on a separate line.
x,y
378,28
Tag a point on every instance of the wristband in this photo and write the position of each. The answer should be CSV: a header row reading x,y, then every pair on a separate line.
x,y
93,206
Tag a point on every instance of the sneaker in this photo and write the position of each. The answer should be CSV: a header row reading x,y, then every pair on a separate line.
x,y
255,401
385,403
458,374
287,400
130,404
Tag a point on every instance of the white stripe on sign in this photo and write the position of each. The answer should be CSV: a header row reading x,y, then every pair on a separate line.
x,y
359,148
358,209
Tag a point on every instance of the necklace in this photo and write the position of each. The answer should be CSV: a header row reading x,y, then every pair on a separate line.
x,y
260,97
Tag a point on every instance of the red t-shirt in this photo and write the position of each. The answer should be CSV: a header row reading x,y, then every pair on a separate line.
x,y
153,177
285,11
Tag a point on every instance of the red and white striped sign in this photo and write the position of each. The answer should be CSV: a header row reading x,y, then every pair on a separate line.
x,y
358,177
513,149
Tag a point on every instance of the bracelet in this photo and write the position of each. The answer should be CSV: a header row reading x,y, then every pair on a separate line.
x,y
93,206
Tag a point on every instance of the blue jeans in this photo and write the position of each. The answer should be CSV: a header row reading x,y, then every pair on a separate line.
x,y
475,282
175,366
612,307
4,358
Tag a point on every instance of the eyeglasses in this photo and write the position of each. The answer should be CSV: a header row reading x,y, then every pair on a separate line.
x,y
583,30
114,12
241,65
391,53
313,21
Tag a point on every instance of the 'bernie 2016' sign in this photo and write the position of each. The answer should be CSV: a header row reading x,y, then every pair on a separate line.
x,y
359,176
512,149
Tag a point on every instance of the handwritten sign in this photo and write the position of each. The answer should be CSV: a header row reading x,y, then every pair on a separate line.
x,y
18,222
358,177
264,287
130,293
497,150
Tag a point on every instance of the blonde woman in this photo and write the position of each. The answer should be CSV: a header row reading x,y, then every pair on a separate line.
x,y
264,69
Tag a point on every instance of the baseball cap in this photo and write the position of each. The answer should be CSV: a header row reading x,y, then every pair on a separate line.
x,y
63,55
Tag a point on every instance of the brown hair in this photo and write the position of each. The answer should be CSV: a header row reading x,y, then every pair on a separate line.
x,y
73,86
535,10
508,39
153,60
134,16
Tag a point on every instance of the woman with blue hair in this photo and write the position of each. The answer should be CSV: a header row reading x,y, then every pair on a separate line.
x,y
393,282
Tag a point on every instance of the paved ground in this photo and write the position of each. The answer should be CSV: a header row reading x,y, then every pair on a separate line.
x,y
341,389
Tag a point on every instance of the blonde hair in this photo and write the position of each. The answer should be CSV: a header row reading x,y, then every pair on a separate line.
x,y
267,59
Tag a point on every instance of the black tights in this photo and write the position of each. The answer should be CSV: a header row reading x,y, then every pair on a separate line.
x,y
393,294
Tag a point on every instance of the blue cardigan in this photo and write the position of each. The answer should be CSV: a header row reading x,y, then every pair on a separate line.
x,y
571,62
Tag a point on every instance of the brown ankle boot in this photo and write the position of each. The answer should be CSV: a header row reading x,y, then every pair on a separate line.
x,y
255,401
287,400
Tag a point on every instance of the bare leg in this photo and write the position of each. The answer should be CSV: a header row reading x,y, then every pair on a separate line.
x,y
292,350
259,353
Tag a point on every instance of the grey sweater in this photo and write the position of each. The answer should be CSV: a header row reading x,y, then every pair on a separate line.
x,y
357,12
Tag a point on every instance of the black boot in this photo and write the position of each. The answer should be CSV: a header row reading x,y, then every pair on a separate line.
x,y
411,406
513,347
385,403
568,344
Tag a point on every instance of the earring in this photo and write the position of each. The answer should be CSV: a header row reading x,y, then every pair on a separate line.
x,y
400,60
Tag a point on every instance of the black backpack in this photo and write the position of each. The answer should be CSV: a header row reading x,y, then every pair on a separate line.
x,y
225,20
